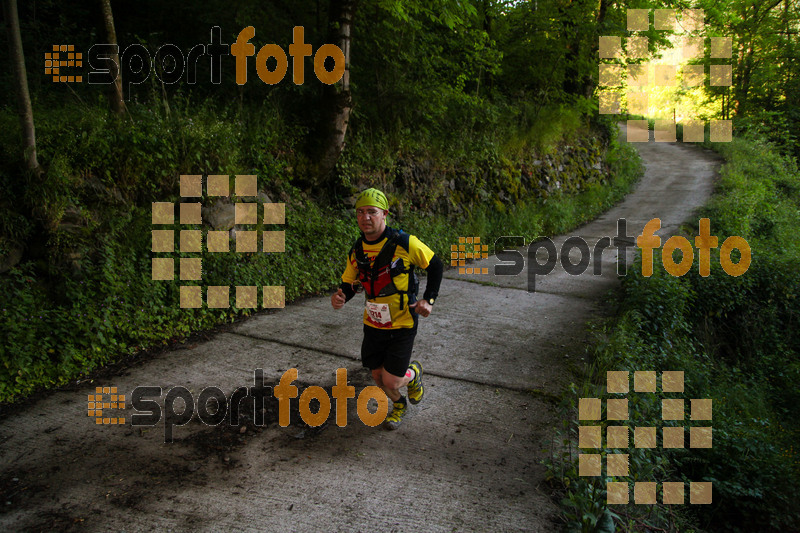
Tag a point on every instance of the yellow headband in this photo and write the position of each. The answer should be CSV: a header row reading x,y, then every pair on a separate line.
x,y
372,197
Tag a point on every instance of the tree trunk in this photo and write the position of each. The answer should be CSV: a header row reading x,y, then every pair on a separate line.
x,y
115,96
601,14
743,86
36,248
337,101
486,16
787,71
600,29
20,81
576,81
570,83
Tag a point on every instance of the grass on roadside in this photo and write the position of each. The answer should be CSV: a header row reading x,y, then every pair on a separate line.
x,y
737,342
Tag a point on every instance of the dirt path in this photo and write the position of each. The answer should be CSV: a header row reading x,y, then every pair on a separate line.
x,y
466,458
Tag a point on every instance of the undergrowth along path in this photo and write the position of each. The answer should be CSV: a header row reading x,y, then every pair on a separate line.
x,y
466,458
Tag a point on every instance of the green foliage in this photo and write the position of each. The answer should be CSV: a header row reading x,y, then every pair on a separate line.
x,y
91,299
430,82
735,341
535,217
542,128
98,303
117,309
429,87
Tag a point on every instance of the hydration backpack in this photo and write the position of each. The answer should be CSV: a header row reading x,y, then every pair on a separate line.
x,y
377,278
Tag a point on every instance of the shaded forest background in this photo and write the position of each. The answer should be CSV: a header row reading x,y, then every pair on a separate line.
x,y
478,117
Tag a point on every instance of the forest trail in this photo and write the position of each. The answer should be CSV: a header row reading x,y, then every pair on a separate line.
x,y
466,458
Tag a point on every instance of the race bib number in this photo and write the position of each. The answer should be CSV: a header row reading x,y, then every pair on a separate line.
x,y
378,314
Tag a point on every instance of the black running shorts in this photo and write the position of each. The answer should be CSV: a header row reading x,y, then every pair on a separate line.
x,y
388,348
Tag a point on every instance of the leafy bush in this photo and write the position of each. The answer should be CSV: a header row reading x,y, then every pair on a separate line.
x,y
735,339
95,302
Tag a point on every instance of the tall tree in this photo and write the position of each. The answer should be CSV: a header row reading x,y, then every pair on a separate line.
x,y
20,80
337,101
115,96
757,29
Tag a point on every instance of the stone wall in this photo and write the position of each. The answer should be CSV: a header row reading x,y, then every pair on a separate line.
x,y
422,185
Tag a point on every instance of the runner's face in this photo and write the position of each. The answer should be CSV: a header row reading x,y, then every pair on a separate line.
x,y
371,220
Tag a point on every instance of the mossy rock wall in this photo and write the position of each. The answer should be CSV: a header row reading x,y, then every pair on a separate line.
x,y
422,185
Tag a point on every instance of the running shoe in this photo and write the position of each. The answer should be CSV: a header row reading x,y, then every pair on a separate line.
x,y
415,389
394,418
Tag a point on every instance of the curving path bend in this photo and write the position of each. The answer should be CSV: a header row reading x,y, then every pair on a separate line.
x,y
466,458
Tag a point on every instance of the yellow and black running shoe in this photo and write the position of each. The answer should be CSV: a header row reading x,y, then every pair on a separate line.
x,y
394,418
415,388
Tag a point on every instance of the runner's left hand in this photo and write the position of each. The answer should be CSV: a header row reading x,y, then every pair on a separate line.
x,y
422,307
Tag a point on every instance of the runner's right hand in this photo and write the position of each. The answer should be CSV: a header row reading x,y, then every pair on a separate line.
x,y
337,299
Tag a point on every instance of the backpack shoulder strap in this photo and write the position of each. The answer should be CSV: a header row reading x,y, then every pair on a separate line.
x,y
358,250
402,238
387,252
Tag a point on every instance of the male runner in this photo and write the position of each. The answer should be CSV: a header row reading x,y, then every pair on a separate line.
x,y
382,261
